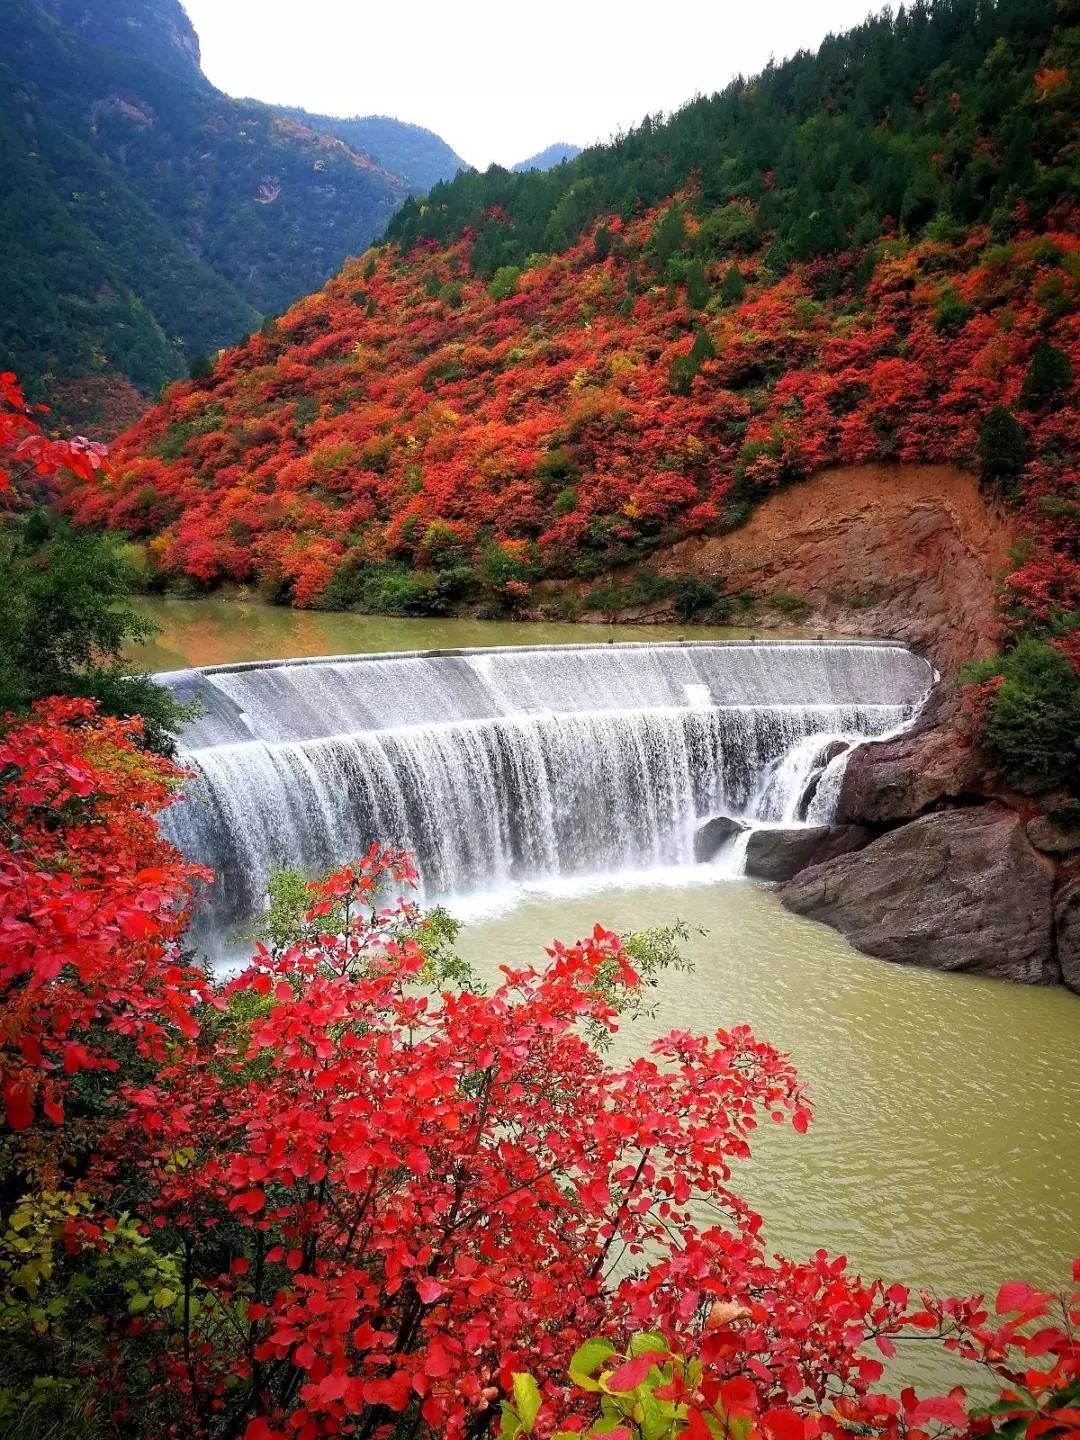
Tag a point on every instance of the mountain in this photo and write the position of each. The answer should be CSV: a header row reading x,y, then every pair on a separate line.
x,y
548,158
146,217
419,156
868,255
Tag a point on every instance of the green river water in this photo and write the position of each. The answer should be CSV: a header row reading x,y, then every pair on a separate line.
x,y
945,1151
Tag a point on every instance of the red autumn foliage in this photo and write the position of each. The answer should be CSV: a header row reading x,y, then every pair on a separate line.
x,y
404,398
27,453
92,905
383,1195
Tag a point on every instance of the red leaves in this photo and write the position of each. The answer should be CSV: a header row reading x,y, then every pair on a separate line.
x,y
413,1196
88,929
250,1201
631,1373
1018,1297
34,456
18,1104
437,1361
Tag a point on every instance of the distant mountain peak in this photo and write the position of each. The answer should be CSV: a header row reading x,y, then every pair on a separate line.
x,y
157,219
548,158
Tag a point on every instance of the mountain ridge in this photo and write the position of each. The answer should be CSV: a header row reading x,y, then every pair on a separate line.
x,y
147,217
550,156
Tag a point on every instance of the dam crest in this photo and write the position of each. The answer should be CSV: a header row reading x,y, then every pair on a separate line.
x,y
515,765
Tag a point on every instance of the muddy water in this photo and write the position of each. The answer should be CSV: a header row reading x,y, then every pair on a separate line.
x,y
945,1149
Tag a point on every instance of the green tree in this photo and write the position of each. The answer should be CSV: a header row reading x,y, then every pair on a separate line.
x,y
1048,378
668,235
65,618
698,292
1002,450
733,288
202,367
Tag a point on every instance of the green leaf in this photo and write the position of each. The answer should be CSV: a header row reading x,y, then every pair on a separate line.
x,y
527,1400
138,1303
164,1297
656,1417
587,1360
646,1342
509,1425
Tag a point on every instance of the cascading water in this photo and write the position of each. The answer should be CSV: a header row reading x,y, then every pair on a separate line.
x,y
520,764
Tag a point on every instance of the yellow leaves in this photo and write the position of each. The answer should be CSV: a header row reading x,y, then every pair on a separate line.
x,y
180,1160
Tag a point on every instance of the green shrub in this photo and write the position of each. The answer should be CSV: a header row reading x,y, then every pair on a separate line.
x,y
558,466
504,282
733,288
951,313
394,590
1032,729
696,598
1048,378
566,501
65,623
789,603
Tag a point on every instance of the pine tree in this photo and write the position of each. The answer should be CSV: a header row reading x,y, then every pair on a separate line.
x,y
733,288
1002,449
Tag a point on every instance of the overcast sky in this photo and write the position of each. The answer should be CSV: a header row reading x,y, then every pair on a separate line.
x,y
499,80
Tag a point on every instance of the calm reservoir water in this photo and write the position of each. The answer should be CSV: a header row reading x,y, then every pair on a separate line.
x,y
221,632
945,1150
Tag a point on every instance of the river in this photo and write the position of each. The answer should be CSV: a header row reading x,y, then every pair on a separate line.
x,y
944,1151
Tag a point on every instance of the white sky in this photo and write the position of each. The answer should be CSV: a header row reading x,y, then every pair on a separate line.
x,y
500,81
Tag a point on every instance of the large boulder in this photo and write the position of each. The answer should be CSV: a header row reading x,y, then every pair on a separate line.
x,y
1067,930
957,890
936,762
779,853
710,838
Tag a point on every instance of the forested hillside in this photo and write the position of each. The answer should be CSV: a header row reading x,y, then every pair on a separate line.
x,y
867,255
145,217
418,155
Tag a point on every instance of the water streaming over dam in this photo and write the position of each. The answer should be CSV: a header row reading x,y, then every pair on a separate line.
x,y
517,764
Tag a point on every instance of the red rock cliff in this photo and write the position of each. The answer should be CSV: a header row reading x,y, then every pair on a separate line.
x,y
905,552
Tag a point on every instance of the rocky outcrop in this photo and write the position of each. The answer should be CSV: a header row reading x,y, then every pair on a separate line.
x,y
1067,933
779,853
904,552
959,889
1052,838
710,838
933,764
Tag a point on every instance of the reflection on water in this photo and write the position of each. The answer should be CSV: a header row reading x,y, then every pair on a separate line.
x,y
944,1148
220,632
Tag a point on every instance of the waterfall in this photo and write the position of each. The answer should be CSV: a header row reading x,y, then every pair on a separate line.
x,y
506,766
